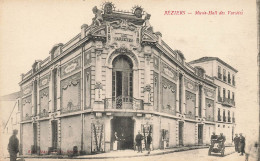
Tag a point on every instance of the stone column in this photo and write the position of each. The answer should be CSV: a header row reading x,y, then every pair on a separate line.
x,y
58,89
183,95
203,109
197,101
38,96
177,95
147,77
98,85
51,91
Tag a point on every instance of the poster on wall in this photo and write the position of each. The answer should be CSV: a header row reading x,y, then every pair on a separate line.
x,y
97,138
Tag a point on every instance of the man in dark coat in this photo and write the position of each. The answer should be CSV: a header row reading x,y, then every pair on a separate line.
x,y
13,146
222,138
236,142
242,143
138,140
149,141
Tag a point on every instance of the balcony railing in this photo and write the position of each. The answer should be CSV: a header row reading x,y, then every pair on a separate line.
x,y
125,102
70,109
226,101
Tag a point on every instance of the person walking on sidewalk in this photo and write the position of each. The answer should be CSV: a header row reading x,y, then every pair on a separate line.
x,y
242,144
13,146
138,140
149,141
236,142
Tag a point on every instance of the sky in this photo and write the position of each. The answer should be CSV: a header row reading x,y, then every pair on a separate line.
x,y
29,29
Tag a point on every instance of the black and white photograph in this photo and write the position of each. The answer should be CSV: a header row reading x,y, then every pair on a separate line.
x,y
170,80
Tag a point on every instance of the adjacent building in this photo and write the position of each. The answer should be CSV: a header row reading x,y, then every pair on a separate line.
x,y
225,78
117,75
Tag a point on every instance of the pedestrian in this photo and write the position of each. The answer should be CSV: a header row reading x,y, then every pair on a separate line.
x,y
13,146
138,140
222,138
242,144
236,142
115,141
149,141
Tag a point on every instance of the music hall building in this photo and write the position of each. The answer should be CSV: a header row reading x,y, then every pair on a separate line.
x,y
116,75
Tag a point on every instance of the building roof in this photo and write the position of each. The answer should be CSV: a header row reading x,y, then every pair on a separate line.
x,y
11,97
205,59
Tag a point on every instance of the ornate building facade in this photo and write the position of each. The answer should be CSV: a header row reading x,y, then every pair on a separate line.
x,y
116,75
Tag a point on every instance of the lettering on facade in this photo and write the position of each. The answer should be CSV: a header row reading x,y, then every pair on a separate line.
x,y
189,84
27,90
44,80
169,72
70,67
209,92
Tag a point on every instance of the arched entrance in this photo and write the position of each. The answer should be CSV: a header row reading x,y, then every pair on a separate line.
x,y
122,82
124,129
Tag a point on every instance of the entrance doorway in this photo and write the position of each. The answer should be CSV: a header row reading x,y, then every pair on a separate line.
x,y
181,133
124,127
200,134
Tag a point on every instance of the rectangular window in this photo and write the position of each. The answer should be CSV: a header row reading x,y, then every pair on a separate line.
x,y
200,100
224,75
219,73
35,98
228,94
224,93
180,92
229,78
233,96
233,80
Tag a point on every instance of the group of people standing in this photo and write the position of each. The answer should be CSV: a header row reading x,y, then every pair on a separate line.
x,y
138,142
240,143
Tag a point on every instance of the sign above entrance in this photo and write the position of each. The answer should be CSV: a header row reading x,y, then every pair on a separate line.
x,y
122,33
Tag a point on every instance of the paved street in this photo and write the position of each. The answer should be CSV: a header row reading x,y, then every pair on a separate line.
x,y
191,155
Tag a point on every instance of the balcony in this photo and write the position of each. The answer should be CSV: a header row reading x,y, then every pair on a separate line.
x,y
219,76
228,102
125,102
70,109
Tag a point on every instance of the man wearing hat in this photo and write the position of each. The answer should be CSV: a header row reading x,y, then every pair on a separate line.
x,y
242,143
236,142
13,146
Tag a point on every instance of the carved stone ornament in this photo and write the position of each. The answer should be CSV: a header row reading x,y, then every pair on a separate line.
x,y
147,88
98,86
98,19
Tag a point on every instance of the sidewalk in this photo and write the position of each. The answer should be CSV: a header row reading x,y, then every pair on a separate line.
x,y
119,153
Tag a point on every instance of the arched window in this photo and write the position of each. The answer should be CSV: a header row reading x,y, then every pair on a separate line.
x,y
122,80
